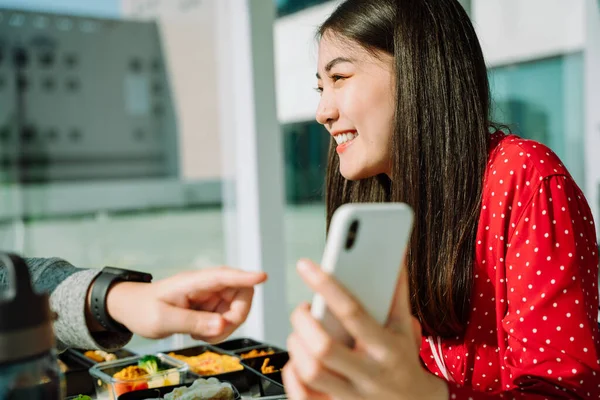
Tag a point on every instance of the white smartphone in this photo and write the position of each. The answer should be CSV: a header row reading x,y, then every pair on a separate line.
x,y
365,252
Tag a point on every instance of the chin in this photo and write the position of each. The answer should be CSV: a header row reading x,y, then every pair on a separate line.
x,y
357,171
353,174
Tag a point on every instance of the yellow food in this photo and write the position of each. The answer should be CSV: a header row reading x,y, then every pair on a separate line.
x,y
210,363
130,373
266,368
257,353
164,380
63,367
99,355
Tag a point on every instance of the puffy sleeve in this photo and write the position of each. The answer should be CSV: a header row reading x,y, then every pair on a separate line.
x,y
548,324
68,287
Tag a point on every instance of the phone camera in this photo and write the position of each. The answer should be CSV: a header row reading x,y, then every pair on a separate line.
x,y
352,233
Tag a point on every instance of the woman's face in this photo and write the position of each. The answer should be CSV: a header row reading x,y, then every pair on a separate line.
x,y
357,105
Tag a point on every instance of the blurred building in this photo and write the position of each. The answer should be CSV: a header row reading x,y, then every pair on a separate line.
x,y
188,35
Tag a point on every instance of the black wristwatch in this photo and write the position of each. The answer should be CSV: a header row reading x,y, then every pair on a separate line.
x,y
99,290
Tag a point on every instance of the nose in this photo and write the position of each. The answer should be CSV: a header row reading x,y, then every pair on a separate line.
x,y
327,112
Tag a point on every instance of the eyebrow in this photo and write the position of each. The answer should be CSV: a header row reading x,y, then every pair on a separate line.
x,y
334,62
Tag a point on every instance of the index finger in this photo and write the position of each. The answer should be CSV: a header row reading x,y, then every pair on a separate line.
x,y
217,279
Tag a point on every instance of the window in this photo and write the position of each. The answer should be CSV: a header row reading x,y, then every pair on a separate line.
x,y
286,7
543,100
108,163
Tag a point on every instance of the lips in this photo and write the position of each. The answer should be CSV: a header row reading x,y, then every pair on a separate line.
x,y
344,139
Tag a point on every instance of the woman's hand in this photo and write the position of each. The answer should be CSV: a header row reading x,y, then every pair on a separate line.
x,y
208,305
384,363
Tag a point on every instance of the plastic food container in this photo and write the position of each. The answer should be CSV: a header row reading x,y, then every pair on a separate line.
x,y
271,382
259,351
80,357
171,372
161,392
238,344
237,377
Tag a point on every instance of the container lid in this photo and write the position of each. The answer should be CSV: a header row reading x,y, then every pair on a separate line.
x,y
25,316
105,370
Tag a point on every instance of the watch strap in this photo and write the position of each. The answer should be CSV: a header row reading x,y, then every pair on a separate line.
x,y
100,287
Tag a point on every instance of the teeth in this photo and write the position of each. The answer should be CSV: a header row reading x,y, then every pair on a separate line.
x,y
345,137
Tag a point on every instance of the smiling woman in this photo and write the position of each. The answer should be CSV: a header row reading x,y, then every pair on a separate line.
x,y
504,243
421,115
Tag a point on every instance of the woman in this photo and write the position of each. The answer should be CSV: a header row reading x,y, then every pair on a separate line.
x,y
502,267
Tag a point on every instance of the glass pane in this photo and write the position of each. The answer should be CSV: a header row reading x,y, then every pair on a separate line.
x,y
543,100
306,145
286,7
109,136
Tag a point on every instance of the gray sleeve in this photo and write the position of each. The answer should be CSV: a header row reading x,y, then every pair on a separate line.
x,y
68,288
46,273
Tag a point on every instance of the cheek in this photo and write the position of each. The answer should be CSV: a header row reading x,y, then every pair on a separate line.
x,y
357,105
382,110
383,106
371,111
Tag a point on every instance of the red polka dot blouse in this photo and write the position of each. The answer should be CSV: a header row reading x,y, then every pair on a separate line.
x,y
533,330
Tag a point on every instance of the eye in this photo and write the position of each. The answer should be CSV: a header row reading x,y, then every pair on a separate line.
x,y
319,89
336,78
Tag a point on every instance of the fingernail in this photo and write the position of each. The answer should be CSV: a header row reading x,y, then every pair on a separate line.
x,y
304,266
215,324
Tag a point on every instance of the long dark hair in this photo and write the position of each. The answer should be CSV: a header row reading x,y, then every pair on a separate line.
x,y
439,147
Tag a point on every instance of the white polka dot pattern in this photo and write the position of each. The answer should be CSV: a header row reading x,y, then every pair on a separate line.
x,y
532,331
